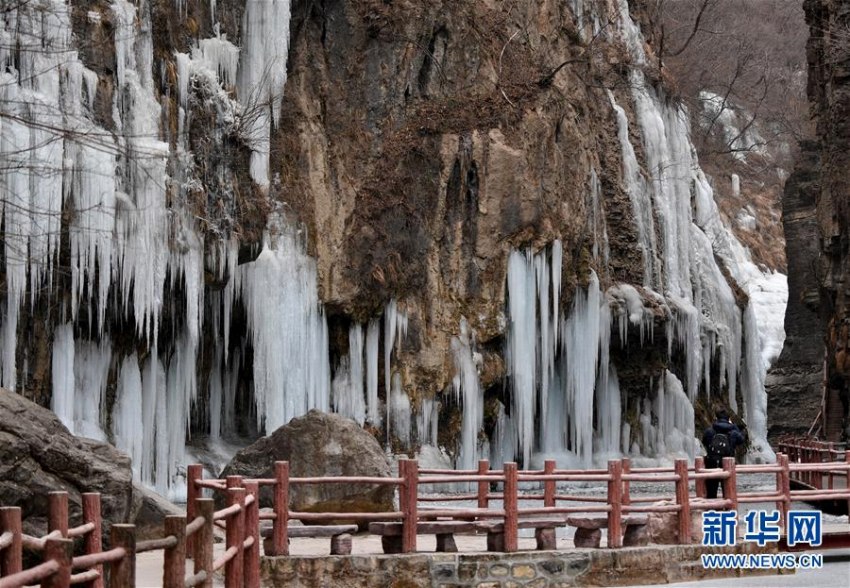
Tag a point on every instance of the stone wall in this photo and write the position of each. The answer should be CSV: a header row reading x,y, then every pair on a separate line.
x,y
600,567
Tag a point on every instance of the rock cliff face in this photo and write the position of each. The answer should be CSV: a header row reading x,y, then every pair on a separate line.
x,y
423,140
473,225
817,212
795,383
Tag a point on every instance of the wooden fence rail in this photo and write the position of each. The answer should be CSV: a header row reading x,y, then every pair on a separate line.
x,y
61,569
192,536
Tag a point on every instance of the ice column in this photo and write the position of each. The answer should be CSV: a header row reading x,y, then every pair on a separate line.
x,y
395,329
289,331
262,75
348,381
581,349
469,394
63,374
373,334
522,348
399,416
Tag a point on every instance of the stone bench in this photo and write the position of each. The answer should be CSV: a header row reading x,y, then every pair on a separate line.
x,y
589,530
444,531
340,535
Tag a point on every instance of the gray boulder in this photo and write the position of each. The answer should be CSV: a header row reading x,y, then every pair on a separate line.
x,y
320,444
151,510
39,455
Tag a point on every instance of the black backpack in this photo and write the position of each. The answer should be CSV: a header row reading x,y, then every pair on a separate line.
x,y
720,447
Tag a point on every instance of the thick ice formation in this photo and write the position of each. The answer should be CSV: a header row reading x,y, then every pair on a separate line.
x,y
134,247
373,409
561,380
348,381
290,333
261,76
531,365
131,239
470,396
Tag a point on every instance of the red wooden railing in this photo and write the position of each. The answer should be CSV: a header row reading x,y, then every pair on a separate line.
x,y
61,569
812,451
192,535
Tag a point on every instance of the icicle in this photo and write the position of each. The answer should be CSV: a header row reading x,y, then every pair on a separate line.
x,y
216,398
608,411
675,416
638,195
399,415
372,339
63,375
522,348
752,387
600,227
504,440
581,348
427,422
127,417
92,362
469,395
262,75
395,329
289,331
348,381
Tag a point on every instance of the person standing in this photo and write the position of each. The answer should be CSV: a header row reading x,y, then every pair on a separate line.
x,y
721,440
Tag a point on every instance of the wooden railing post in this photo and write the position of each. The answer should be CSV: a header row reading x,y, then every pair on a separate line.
x,y
730,484
93,539
61,551
11,557
235,535
807,476
699,483
847,474
252,529
174,558
810,458
784,488
510,500
626,468
57,512
280,530
194,472
410,488
615,491
483,485
203,544
549,485
829,477
683,500
122,573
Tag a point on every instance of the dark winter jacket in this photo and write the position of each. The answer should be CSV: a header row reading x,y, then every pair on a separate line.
x,y
726,427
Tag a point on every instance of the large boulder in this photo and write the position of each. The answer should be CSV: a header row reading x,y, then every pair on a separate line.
x,y
39,455
320,444
150,512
